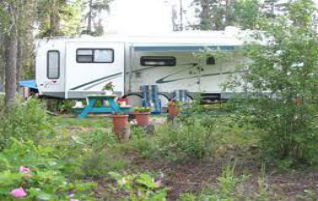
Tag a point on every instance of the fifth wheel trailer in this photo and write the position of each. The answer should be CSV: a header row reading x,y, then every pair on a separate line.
x,y
72,68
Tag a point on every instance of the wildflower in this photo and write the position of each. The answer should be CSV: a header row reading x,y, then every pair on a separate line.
x,y
18,193
25,169
158,183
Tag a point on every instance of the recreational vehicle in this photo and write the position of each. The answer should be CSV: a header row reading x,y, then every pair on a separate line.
x,y
72,68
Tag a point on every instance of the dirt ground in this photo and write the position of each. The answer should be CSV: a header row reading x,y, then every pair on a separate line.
x,y
191,177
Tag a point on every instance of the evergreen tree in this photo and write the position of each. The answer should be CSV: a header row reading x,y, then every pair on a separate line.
x,y
94,22
58,17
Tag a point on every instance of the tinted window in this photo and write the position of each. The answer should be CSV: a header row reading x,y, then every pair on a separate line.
x,y
210,60
158,61
95,56
53,64
105,56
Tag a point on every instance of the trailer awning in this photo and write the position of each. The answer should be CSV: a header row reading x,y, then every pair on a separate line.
x,y
29,84
181,48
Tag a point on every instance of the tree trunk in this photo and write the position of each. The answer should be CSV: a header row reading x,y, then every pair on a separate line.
x,y
19,60
55,19
89,19
11,60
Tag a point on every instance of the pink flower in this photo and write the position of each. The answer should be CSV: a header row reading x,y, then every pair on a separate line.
x,y
18,193
158,183
25,169
74,199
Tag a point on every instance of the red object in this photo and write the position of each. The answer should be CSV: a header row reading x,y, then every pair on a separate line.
x,y
120,125
123,100
174,110
142,118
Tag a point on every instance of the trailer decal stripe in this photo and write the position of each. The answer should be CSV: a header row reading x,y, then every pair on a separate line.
x,y
94,81
183,48
163,80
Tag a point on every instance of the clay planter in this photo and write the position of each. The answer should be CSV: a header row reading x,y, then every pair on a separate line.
x,y
174,110
121,127
142,118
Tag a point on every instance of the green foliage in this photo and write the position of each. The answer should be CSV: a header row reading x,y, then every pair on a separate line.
x,y
100,156
247,13
58,17
109,86
25,121
98,164
46,181
142,109
282,85
192,140
231,187
139,187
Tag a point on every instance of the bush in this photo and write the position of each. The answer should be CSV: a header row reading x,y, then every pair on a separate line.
x,y
39,172
139,187
282,84
25,121
192,140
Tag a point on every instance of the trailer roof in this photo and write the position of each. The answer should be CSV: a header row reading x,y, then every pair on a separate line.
x,y
229,37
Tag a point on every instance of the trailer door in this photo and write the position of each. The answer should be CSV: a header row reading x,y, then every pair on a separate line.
x,y
91,65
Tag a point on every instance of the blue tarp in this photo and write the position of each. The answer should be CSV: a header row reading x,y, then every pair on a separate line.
x,y
29,83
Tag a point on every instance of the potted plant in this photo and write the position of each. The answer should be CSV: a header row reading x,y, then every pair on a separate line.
x,y
142,115
174,108
108,88
121,126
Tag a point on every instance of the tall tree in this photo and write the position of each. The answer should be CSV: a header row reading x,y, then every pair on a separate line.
x,y
247,13
58,17
215,14
94,22
9,28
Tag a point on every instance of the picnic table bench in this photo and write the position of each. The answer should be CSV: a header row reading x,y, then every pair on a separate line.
x,y
109,105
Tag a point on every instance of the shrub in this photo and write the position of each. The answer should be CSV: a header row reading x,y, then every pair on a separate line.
x,y
192,140
25,121
98,163
139,187
41,174
282,83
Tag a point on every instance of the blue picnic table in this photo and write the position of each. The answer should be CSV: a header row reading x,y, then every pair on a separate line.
x,y
109,105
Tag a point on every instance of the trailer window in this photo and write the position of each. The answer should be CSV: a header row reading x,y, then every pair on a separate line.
x,y
158,61
53,64
95,56
210,60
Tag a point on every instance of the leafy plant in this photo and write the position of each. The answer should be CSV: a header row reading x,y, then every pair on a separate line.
x,y
282,84
139,187
38,173
109,87
142,109
25,121
175,103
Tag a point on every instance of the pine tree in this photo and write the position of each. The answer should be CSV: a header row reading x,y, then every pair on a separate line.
x,y
95,8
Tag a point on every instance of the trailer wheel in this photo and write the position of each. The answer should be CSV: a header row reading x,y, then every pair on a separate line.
x,y
190,98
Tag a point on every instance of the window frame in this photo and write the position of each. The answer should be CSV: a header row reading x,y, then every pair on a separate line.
x,y
93,55
167,57
48,63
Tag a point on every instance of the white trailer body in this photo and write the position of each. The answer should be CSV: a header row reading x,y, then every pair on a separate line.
x,y
72,68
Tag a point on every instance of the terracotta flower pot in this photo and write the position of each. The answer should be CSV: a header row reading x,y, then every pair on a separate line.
x,y
174,110
142,118
121,127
